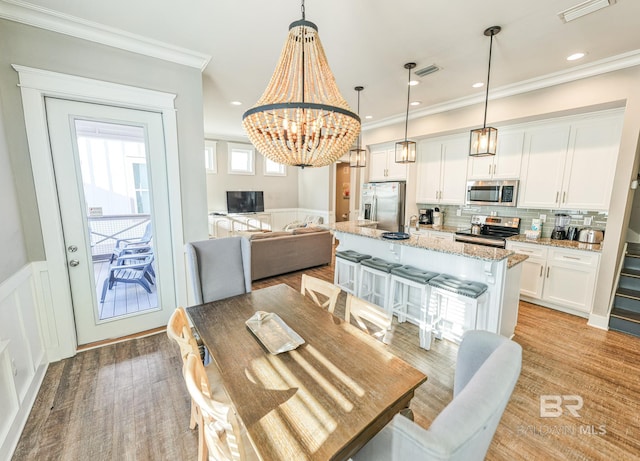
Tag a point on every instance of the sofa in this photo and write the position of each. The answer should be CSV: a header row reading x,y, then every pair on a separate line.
x,y
279,252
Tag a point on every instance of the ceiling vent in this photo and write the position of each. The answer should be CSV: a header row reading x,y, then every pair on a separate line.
x,y
583,9
427,70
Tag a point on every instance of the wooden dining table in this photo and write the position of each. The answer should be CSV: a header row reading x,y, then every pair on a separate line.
x,y
321,401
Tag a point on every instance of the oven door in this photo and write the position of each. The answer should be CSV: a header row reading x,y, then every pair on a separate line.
x,y
479,240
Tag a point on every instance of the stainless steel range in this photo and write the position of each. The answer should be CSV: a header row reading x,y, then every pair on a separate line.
x,y
489,230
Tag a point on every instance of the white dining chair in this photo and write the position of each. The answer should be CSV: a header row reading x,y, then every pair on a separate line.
x,y
222,436
365,314
312,286
487,370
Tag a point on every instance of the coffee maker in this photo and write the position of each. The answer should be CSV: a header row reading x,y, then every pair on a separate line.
x,y
426,216
560,226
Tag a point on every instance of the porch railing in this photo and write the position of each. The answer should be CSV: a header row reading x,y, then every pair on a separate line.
x,y
105,231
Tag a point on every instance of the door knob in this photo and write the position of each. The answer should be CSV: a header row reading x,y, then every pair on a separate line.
x,y
74,263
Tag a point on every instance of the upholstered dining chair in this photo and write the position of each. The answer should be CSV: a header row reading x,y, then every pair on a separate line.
x,y
223,437
365,312
219,268
312,286
487,370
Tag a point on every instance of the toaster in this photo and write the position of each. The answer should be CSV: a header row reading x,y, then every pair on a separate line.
x,y
589,235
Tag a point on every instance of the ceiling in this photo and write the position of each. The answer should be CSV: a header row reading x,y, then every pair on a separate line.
x,y
367,43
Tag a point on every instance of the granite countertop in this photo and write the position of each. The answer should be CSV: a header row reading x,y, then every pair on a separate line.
x,y
450,229
422,241
567,244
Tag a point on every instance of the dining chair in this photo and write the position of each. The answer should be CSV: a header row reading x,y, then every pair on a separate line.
x,y
219,268
312,286
221,436
365,312
487,370
180,331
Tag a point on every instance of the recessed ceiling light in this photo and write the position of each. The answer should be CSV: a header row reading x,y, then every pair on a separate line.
x,y
236,103
413,82
478,85
415,103
368,117
575,56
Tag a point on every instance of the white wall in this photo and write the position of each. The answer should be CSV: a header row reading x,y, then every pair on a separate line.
x,y
613,89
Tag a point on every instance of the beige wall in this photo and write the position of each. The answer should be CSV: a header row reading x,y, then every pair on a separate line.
x,y
614,89
279,191
33,47
313,188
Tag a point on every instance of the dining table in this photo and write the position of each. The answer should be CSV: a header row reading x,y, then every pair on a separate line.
x,y
322,400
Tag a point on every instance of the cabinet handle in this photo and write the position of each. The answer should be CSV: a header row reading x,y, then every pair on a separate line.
x,y
494,169
548,271
571,257
541,269
489,169
557,196
564,196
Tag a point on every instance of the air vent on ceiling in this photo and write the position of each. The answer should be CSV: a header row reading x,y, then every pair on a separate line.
x,y
583,9
427,70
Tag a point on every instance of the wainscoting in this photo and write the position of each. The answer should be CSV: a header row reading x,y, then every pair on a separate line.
x,y
23,361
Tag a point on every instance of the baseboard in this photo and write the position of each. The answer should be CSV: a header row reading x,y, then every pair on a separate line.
x,y
10,442
599,321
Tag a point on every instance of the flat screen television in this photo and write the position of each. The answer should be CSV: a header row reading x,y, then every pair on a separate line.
x,y
245,201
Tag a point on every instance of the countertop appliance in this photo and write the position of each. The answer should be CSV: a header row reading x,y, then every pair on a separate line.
x,y
495,193
490,231
560,226
589,235
426,216
384,203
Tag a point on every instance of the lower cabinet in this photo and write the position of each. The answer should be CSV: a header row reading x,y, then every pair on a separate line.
x,y
563,279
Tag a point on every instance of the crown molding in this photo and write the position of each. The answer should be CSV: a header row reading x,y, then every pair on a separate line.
x,y
611,64
44,18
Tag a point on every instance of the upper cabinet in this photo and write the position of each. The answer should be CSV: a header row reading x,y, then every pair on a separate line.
x,y
571,164
442,170
383,166
505,164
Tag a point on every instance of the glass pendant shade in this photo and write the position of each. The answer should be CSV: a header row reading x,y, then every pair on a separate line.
x,y
405,152
357,158
302,119
483,142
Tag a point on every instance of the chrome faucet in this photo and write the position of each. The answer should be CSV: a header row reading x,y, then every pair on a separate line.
x,y
413,223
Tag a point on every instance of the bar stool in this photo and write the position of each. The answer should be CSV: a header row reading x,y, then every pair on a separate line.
x,y
403,279
375,279
451,292
348,264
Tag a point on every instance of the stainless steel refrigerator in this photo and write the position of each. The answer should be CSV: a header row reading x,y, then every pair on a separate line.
x,y
384,202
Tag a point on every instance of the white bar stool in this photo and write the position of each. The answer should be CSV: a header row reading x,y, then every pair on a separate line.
x,y
403,280
375,279
459,303
347,270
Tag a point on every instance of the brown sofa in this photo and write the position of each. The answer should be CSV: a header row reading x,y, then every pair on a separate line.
x,y
275,253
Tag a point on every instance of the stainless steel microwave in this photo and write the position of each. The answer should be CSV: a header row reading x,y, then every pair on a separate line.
x,y
496,193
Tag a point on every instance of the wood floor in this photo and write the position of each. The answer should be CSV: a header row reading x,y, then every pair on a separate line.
x,y
127,401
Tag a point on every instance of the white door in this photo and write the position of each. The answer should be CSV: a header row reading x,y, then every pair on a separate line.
x,y
94,183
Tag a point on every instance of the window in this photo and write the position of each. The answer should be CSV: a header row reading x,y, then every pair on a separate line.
x,y
241,159
272,168
141,188
210,156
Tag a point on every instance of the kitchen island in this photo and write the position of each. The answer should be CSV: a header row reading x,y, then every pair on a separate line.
x,y
498,268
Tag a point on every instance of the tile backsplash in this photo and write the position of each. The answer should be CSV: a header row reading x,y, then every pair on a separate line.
x,y
526,215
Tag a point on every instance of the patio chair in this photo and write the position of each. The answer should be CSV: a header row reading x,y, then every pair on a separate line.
x,y
139,273
133,245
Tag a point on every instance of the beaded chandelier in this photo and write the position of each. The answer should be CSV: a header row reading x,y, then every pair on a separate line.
x,y
302,119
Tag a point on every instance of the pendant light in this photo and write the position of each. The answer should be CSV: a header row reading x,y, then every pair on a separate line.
x,y
406,150
358,156
484,140
301,118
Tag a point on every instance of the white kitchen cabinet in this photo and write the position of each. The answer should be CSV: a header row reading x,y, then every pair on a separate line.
x,y
505,164
383,166
563,279
570,164
442,170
